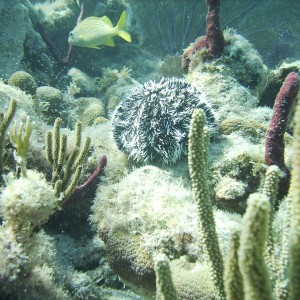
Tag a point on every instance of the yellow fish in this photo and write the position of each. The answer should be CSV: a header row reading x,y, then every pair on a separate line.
x,y
93,32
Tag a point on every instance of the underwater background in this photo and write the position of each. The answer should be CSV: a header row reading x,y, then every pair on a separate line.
x,y
149,149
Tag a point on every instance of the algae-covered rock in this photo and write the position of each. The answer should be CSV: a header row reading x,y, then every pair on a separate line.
x,y
170,66
24,81
20,43
27,202
113,87
82,81
233,161
275,80
12,257
14,22
57,15
252,129
239,60
50,101
137,220
89,109
191,280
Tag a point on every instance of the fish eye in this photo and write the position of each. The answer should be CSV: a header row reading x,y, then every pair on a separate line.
x,y
71,34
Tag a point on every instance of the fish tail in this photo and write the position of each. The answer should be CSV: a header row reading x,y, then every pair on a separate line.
x,y
121,26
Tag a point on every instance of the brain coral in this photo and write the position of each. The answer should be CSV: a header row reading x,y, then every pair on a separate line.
x,y
152,123
24,81
89,109
50,99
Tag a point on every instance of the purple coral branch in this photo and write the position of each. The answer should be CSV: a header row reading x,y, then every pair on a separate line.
x,y
88,188
274,147
214,34
213,41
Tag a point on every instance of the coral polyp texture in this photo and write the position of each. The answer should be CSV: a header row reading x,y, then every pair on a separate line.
x,y
152,124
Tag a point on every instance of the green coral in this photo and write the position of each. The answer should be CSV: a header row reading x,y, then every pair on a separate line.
x,y
5,120
24,81
232,276
294,246
256,281
164,284
21,144
66,172
198,143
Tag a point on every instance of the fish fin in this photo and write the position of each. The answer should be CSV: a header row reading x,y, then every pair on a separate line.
x,y
94,47
106,20
90,18
109,42
121,26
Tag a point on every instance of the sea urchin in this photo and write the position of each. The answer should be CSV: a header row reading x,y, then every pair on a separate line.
x,y
152,123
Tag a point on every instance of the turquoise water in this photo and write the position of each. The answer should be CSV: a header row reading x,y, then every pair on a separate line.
x,y
104,165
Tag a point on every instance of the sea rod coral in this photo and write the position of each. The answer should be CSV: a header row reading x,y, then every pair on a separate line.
x,y
5,120
213,41
250,256
274,148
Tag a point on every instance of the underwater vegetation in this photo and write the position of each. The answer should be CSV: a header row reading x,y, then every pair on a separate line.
x,y
123,176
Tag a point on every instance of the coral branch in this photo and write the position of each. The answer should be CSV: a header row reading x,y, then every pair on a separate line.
x,y
274,148
213,41
4,123
88,188
214,34
198,146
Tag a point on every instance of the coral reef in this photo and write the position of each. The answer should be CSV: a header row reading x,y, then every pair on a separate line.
x,y
132,235
156,230
66,170
89,109
151,125
24,81
198,142
23,210
213,42
29,261
274,149
49,102
5,121
113,87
